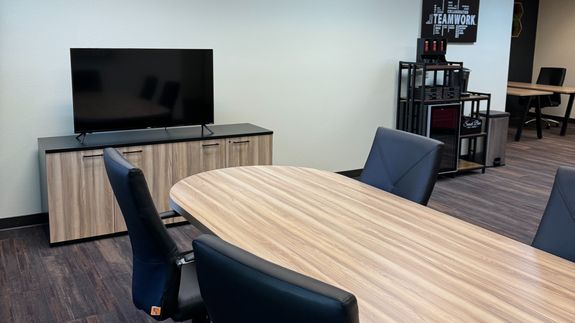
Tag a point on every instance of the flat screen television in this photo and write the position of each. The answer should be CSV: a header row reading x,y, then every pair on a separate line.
x,y
120,89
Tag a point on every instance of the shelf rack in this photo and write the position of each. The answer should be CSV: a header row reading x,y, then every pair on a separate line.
x,y
429,103
473,152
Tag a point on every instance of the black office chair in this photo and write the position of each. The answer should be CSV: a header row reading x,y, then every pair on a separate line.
x,y
556,233
403,163
549,76
239,287
164,281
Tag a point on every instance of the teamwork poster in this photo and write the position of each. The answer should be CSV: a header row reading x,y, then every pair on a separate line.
x,y
455,20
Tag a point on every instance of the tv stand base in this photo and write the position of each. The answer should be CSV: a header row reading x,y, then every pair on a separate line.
x,y
81,137
207,128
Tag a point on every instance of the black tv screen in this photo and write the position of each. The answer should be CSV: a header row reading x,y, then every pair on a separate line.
x,y
119,89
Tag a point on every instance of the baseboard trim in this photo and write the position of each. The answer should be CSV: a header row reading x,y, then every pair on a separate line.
x,y
351,173
24,221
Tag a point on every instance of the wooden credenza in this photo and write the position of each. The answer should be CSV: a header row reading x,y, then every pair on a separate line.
x,y
76,192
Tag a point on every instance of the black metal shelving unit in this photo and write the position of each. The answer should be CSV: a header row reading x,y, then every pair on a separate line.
x,y
429,92
412,89
429,103
473,152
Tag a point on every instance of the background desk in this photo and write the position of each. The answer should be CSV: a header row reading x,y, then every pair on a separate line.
x,y
403,261
568,90
530,94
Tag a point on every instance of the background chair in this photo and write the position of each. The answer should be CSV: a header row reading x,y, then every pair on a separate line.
x,y
403,163
549,76
556,233
164,281
239,287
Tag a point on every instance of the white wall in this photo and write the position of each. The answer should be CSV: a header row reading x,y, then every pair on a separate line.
x,y
488,58
321,74
554,45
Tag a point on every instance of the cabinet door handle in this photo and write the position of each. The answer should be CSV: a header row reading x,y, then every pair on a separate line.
x,y
241,142
92,156
210,145
132,152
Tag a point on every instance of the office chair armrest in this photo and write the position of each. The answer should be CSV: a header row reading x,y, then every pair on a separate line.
x,y
168,214
185,258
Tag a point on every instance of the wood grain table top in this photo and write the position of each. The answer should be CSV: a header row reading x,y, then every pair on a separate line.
x,y
403,261
474,97
515,91
542,87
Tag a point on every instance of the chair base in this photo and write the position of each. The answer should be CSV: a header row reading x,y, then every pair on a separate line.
x,y
547,122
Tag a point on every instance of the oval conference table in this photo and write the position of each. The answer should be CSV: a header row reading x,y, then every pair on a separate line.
x,y
403,261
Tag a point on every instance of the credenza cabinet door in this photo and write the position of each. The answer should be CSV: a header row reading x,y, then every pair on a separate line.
x,y
155,162
189,158
80,197
193,157
249,151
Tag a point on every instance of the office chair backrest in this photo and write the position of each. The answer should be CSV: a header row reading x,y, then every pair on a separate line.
x,y
403,163
238,287
552,76
156,278
556,233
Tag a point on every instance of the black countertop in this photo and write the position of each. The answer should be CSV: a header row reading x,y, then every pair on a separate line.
x,y
147,136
